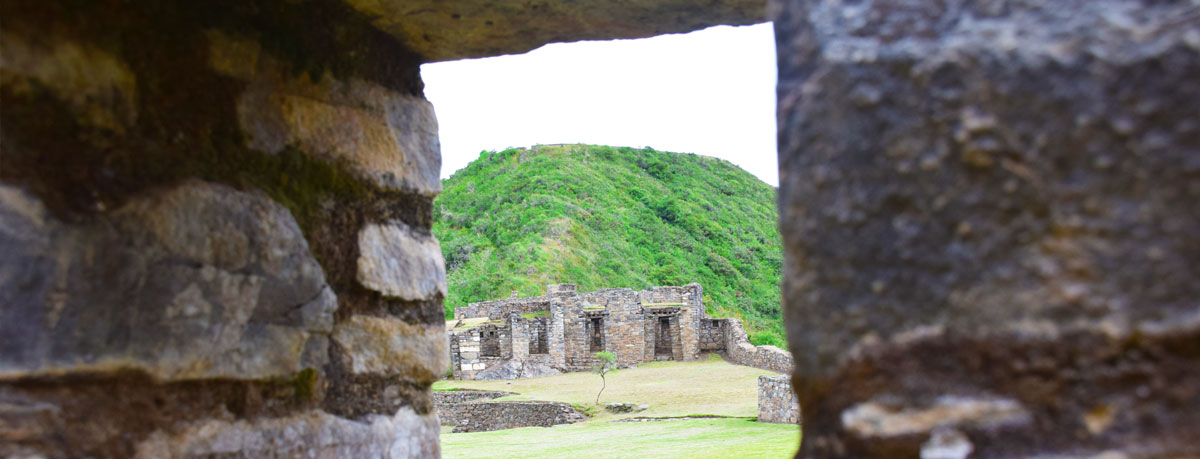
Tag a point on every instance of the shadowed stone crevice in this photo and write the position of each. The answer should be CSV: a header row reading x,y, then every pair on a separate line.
x,y
354,395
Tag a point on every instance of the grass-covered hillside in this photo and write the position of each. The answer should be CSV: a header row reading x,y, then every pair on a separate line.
x,y
597,216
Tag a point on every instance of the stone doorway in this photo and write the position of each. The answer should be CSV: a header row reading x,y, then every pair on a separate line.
x,y
597,334
538,343
662,340
489,344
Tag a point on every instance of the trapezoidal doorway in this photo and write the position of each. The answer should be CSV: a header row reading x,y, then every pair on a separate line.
x,y
662,340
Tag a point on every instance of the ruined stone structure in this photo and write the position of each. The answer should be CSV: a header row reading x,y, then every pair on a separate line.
x,y
214,221
989,211
472,411
777,403
214,217
560,331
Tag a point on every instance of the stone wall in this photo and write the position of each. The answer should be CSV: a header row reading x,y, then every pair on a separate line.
x,y
484,416
712,335
990,226
738,350
629,323
501,309
215,222
452,397
777,403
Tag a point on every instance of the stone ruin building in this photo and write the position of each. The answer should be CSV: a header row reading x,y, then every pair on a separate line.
x,y
561,330
214,220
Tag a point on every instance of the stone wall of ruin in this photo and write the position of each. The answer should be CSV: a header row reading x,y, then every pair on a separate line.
x,y
501,309
712,335
482,416
737,349
777,403
630,323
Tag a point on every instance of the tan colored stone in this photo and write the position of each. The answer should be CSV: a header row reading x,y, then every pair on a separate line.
x,y
443,31
396,261
387,137
880,419
391,346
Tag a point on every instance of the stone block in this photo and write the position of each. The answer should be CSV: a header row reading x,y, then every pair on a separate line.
x,y
214,283
399,262
378,345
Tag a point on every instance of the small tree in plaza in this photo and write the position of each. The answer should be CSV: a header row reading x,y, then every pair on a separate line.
x,y
607,363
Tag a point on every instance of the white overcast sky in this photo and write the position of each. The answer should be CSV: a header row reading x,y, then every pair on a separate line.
x,y
710,92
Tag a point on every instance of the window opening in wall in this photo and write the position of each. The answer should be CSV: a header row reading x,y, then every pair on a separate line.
x,y
490,346
597,334
662,342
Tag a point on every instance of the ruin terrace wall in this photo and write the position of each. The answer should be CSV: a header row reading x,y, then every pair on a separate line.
x,y
737,348
483,416
777,403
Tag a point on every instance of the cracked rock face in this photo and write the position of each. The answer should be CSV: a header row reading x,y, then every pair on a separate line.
x,y
442,31
201,281
986,201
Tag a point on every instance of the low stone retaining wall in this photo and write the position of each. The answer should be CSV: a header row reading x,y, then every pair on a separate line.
x,y
480,416
739,350
776,401
451,397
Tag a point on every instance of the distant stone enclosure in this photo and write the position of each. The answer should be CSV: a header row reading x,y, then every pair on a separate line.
x,y
562,330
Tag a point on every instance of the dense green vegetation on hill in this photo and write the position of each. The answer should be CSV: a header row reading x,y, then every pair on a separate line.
x,y
597,216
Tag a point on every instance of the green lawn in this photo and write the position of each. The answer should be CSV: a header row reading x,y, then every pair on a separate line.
x,y
697,438
709,387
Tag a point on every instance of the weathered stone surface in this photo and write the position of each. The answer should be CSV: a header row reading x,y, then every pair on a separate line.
x,y
442,31
988,211
391,346
389,138
213,282
397,261
313,434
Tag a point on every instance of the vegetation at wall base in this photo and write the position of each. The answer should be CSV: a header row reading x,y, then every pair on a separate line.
x,y
600,217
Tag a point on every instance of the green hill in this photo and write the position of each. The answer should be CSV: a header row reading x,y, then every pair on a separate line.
x,y
597,216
